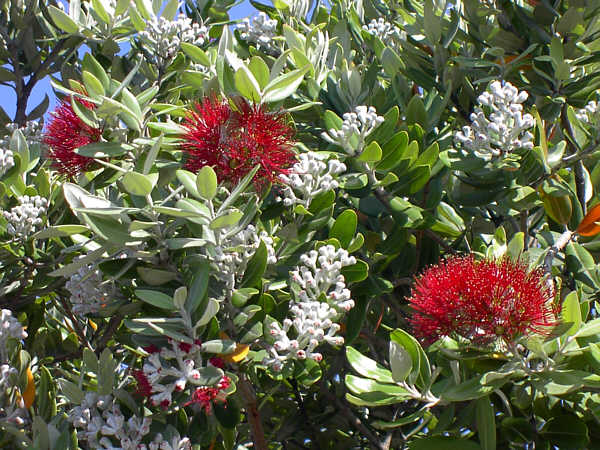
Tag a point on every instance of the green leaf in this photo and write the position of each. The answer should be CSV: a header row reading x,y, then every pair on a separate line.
x,y
218,346
98,8
93,66
93,86
211,310
129,100
391,62
107,372
155,277
566,431
60,231
356,272
468,390
256,267
416,112
188,179
62,20
368,367
372,153
358,385
197,55
138,184
206,183
155,298
486,423
241,296
260,70
344,227
591,328
400,362
393,151
420,364
103,149
571,313
199,287
228,219
86,115
384,425
168,127
246,84
284,85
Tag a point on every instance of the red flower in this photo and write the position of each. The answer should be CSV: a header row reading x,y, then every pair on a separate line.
x,y
144,388
481,301
151,348
66,132
184,347
233,142
203,396
217,362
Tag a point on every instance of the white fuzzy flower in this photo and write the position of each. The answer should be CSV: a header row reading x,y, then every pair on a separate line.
x,y
164,37
6,160
260,31
505,129
310,176
10,327
32,131
176,443
356,127
383,29
25,218
234,253
89,293
100,422
171,370
311,320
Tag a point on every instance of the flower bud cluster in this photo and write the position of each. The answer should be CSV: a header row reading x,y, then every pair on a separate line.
x,y
260,31
89,293
321,301
10,328
310,176
382,29
168,371
25,218
32,131
176,443
164,36
356,127
6,160
99,421
505,130
590,114
6,371
234,253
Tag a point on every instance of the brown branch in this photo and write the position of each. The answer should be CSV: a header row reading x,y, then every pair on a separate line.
x,y
109,331
247,392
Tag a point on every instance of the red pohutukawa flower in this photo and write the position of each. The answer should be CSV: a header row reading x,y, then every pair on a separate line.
x,y
64,133
233,142
204,396
481,301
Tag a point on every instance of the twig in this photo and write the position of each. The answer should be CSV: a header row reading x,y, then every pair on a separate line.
x,y
252,413
111,328
560,243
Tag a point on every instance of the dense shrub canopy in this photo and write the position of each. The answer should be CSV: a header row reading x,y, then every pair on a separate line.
x,y
367,224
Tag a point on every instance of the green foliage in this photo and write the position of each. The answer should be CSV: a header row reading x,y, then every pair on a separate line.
x,y
187,260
